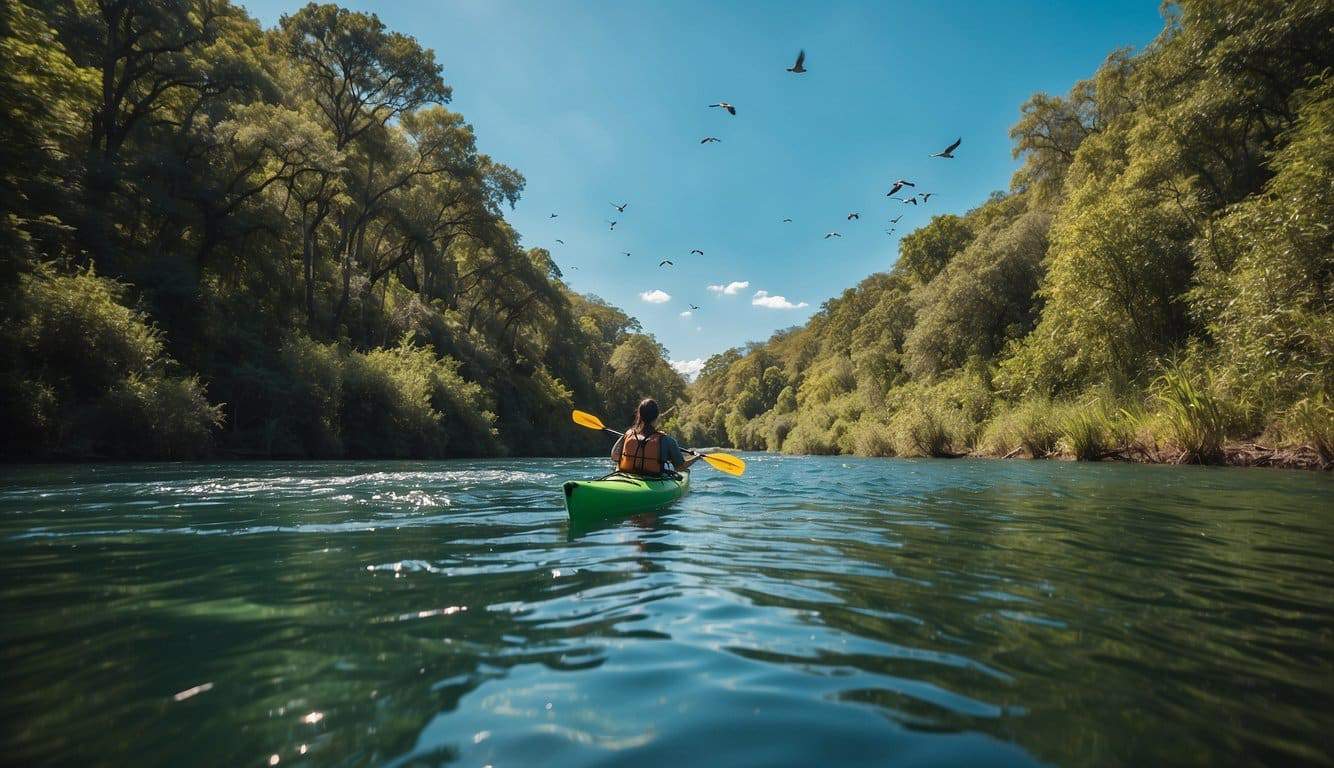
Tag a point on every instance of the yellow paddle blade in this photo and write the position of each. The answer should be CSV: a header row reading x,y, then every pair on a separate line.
x,y
585,419
725,463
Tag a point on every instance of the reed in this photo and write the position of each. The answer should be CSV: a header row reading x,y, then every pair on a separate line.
x,y
1195,417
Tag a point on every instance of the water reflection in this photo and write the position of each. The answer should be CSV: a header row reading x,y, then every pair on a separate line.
x,y
818,611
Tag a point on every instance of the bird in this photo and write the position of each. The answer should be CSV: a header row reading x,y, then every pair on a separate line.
x,y
696,250
900,184
573,267
666,262
612,223
852,216
626,253
912,200
787,221
949,151
620,207
895,220
552,216
800,66
927,196
694,308
562,242
731,109
710,140
828,235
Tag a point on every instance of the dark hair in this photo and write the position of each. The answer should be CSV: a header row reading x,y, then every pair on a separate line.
x,y
645,414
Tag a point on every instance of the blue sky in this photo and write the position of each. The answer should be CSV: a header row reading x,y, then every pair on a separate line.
x,y
596,102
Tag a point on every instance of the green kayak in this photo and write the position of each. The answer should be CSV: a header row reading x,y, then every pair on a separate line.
x,y
620,494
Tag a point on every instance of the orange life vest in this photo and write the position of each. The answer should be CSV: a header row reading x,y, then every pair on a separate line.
x,y
641,454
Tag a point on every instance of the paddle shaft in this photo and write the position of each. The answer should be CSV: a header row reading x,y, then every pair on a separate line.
x,y
683,450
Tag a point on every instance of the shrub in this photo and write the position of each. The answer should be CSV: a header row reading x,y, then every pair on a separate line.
x,y
871,437
1085,430
85,376
1311,421
1030,426
1195,417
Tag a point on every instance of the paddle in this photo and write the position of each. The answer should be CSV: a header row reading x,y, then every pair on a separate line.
x,y
719,461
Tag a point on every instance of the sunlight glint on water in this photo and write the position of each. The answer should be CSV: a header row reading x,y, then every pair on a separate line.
x,y
819,610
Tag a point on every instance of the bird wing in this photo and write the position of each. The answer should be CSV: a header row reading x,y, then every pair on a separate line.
x,y
731,109
954,146
801,59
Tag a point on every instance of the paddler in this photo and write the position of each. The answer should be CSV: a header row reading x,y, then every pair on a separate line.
x,y
646,451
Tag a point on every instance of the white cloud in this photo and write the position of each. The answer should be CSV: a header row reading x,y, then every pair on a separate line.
x,y
732,288
688,368
763,299
656,296
686,313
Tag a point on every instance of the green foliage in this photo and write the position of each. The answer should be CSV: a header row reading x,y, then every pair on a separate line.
x,y
1266,270
1195,415
86,375
1311,422
926,251
284,206
1031,426
1175,204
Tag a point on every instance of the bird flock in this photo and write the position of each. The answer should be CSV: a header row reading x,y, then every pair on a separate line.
x,y
898,186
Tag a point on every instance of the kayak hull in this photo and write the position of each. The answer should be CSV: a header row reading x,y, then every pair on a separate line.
x,y
619,494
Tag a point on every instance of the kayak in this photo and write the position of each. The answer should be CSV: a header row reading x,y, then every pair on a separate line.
x,y
621,494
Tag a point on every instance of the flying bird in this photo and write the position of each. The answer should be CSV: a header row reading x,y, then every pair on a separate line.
x,y
620,207
949,151
912,200
800,66
693,307
787,221
696,250
731,109
828,235
666,262
552,216
927,196
562,242
710,140
895,220
612,223
626,253
900,184
852,216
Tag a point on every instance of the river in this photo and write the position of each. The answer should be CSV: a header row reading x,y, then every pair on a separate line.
x,y
818,611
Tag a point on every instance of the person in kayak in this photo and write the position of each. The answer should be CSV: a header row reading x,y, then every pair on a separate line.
x,y
646,451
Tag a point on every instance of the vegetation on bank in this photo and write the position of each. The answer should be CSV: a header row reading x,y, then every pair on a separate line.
x,y
1156,284
216,238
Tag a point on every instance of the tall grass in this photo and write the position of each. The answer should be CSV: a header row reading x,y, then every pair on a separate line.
x,y
1031,426
1311,421
1195,416
1084,431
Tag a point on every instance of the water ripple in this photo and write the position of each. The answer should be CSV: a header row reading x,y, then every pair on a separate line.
x,y
820,610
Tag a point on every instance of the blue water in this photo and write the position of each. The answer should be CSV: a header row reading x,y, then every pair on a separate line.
x,y
817,611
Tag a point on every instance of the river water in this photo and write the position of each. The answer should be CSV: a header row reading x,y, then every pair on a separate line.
x,y
817,611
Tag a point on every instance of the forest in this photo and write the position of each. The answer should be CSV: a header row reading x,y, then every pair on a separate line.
x,y
222,240
1154,285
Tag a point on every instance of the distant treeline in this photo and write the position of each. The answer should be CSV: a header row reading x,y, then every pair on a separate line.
x,y
1156,283
220,239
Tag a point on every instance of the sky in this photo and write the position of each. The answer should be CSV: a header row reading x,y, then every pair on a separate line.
x,y
606,102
